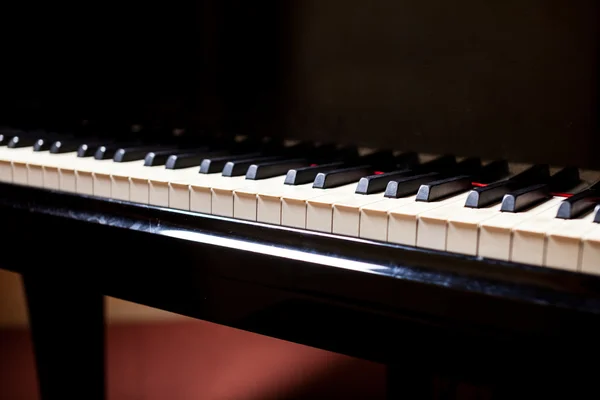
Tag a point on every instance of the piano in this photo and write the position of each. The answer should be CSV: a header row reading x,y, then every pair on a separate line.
x,y
415,183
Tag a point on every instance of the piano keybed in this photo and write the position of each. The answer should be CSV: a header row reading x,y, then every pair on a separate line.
x,y
531,214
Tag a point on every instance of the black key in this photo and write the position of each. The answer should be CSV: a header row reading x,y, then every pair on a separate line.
x,y
6,135
212,165
89,148
525,198
580,203
21,141
494,192
448,186
65,146
126,154
192,159
301,176
4,139
442,188
342,176
240,167
43,144
108,151
408,185
597,214
530,196
273,168
378,183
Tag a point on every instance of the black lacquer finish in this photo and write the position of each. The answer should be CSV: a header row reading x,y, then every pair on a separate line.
x,y
314,288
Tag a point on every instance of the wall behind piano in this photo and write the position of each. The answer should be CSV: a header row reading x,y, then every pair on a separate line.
x,y
507,79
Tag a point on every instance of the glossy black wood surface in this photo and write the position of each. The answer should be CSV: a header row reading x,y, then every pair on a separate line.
x,y
442,313
510,79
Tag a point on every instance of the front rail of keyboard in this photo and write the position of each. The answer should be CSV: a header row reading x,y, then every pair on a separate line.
x,y
377,301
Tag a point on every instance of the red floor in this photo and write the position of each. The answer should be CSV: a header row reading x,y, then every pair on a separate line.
x,y
198,360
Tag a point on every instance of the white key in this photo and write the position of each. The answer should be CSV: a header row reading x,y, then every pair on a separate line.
x,y
495,234
590,251
245,199
529,237
403,220
374,217
463,228
347,212
564,242
320,204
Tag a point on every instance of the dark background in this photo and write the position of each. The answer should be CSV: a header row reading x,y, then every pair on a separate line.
x,y
507,79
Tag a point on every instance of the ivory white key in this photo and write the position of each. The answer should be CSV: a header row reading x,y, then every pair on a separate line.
x,y
319,208
245,199
8,158
374,217
346,212
496,233
286,204
403,220
564,242
180,184
590,251
529,237
295,206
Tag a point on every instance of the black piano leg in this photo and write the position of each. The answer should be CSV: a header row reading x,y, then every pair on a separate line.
x,y
67,328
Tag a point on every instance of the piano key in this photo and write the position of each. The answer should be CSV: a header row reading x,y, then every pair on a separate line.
x,y
107,151
378,183
42,144
21,141
347,212
494,192
160,157
191,159
402,227
270,169
6,134
463,228
240,167
442,188
521,199
452,185
304,175
374,217
529,237
496,233
437,225
590,252
135,153
564,243
89,148
245,198
66,146
408,185
579,203
597,214
294,203
211,165
340,177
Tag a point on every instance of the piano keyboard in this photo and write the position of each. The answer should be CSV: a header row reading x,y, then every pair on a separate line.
x,y
532,214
